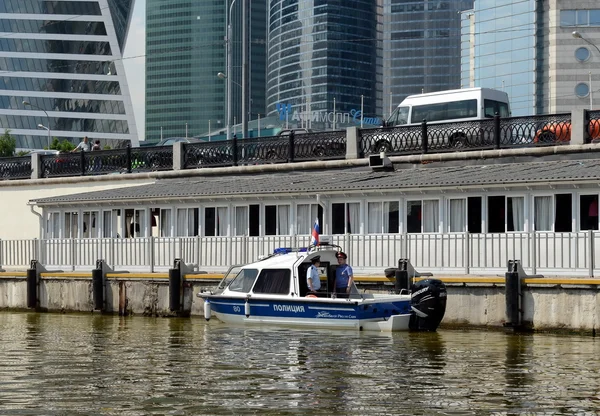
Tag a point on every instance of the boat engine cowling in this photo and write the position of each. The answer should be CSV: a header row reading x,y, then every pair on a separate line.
x,y
428,304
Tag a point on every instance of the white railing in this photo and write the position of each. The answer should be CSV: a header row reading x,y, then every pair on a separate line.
x,y
461,253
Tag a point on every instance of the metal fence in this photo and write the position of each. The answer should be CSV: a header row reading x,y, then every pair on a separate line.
x,y
490,133
493,133
548,253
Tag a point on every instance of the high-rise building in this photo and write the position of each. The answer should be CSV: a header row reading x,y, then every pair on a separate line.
x,y
422,46
499,50
324,60
185,50
544,54
64,60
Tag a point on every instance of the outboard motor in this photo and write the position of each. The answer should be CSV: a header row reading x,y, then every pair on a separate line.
x,y
428,304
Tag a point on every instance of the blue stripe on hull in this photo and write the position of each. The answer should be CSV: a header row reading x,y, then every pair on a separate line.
x,y
261,308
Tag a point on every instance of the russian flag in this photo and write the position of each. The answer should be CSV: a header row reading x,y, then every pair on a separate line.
x,y
315,234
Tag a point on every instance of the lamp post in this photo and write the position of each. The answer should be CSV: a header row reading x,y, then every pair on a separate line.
x,y
39,125
229,74
578,35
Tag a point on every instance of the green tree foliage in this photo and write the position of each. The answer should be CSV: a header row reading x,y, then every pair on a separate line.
x,y
7,144
62,146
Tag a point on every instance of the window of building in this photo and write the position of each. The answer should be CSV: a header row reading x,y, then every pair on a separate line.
x,y
582,54
542,213
588,212
53,225
91,224
345,218
383,217
474,208
110,220
71,225
423,216
277,219
563,218
553,213
457,215
506,214
582,90
215,221
571,18
187,222
306,214
247,220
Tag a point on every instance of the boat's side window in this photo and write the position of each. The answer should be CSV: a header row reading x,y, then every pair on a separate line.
x,y
273,281
244,281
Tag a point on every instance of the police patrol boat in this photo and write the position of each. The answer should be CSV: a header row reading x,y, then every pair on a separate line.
x,y
274,291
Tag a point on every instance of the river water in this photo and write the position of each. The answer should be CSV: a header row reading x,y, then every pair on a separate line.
x,y
52,364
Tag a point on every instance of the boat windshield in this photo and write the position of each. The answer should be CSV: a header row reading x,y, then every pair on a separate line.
x,y
229,276
244,281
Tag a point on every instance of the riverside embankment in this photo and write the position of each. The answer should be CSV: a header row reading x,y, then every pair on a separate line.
x,y
546,303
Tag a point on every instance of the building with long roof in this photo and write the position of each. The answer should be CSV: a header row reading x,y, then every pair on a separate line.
x,y
62,72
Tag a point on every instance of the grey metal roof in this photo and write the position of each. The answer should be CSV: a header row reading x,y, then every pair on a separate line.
x,y
345,180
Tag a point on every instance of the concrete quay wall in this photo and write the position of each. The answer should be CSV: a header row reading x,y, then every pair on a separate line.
x,y
547,304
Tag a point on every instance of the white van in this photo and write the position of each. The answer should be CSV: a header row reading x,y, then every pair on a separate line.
x,y
446,107
449,106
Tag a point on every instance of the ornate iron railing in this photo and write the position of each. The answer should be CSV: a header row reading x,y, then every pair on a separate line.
x,y
422,138
392,140
470,135
63,164
199,155
152,158
320,146
258,150
542,130
15,167
107,161
593,126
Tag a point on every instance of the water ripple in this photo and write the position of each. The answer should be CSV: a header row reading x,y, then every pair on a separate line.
x,y
88,364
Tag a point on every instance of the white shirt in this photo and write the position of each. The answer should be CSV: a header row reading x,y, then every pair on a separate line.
x,y
313,274
84,146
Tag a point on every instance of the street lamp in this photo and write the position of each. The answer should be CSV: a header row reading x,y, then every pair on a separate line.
x,y
227,76
39,125
578,35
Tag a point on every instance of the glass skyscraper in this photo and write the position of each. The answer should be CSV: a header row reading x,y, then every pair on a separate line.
x,y
324,53
421,47
64,59
499,40
185,50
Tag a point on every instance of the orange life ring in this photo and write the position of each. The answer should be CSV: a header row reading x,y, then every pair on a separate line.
x,y
311,296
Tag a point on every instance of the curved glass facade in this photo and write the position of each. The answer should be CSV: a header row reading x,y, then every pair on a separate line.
x,y
324,55
422,43
73,87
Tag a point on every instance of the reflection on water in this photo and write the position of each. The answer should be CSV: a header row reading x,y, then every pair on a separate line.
x,y
81,364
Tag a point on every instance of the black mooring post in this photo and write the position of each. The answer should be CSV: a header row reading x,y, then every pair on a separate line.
x,y
98,286
32,285
175,286
401,281
401,275
513,298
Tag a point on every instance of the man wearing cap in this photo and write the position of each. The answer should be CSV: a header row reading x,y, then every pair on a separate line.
x,y
344,277
312,275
